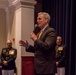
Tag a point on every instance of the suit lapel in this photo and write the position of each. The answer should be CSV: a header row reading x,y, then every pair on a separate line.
x,y
44,32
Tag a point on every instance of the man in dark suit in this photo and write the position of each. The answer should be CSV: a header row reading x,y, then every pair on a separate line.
x,y
60,56
44,46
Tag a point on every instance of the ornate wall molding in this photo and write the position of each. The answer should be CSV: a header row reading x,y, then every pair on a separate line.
x,y
24,3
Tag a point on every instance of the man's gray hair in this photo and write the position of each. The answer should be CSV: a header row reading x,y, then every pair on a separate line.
x,y
46,15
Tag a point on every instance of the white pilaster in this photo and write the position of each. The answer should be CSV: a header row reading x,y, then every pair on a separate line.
x,y
4,4
8,28
24,25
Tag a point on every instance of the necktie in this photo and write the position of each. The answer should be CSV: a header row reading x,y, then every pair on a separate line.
x,y
40,33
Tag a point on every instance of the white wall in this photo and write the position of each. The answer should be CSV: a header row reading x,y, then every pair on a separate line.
x,y
2,28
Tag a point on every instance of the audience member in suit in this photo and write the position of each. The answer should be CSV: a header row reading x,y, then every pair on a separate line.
x,y
8,56
60,56
44,46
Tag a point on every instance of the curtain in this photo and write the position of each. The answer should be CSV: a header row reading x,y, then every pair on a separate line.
x,y
62,19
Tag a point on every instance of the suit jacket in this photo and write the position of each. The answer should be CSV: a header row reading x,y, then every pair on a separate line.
x,y
44,50
61,55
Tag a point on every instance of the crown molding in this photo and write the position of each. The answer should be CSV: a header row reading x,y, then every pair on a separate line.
x,y
24,3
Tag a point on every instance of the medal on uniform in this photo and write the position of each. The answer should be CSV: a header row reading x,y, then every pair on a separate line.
x,y
60,48
11,52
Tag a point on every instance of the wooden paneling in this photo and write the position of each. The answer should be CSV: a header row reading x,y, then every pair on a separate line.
x,y
27,66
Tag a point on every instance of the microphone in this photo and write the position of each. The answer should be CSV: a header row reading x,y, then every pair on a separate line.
x,y
36,30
